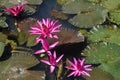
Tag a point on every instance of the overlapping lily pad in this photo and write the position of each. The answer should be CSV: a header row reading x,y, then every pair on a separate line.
x,y
105,33
88,14
110,4
103,53
24,35
108,55
15,68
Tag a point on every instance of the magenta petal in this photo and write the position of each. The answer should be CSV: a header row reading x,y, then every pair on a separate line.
x,y
85,73
82,61
71,63
58,59
72,73
54,54
46,62
54,44
75,61
52,68
39,51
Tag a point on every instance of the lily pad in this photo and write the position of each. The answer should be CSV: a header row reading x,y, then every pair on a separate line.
x,y
3,37
88,14
114,16
2,45
24,34
104,53
62,2
111,4
98,74
112,68
105,33
15,68
9,3
3,24
68,35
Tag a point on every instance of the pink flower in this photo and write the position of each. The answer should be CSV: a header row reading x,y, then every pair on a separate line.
x,y
15,10
78,68
46,46
46,28
53,62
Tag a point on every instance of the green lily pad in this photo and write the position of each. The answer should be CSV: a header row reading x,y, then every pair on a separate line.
x,y
95,1
113,68
98,74
62,2
110,4
15,68
3,24
24,35
88,14
114,16
103,53
31,40
3,37
2,45
105,33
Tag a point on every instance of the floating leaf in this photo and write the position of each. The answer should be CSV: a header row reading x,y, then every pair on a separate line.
x,y
103,53
9,3
3,24
105,33
95,1
15,68
62,2
111,4
58,14
114,16
3,37
88,14
24,35
68,35
31,40
98,74
2,45
113,68
77,7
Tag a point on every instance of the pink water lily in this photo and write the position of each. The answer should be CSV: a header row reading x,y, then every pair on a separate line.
x,y
15,10
78,68
46,46
46,28
52,62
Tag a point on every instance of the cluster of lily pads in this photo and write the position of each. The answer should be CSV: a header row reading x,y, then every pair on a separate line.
x,y
95,40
